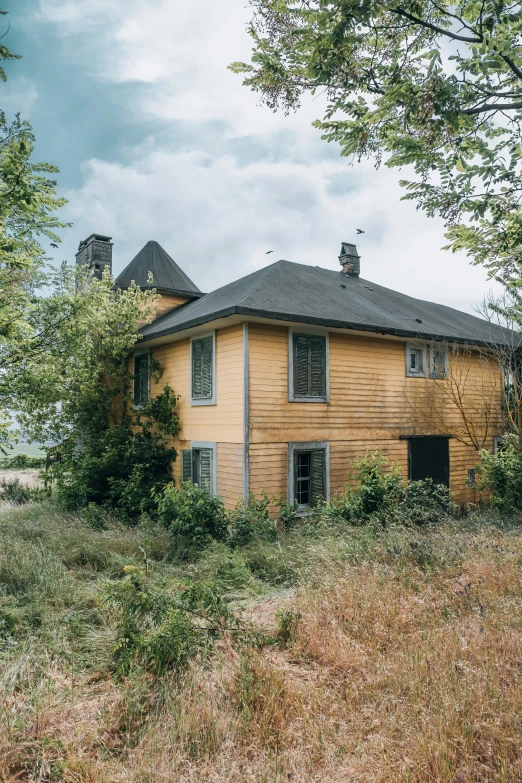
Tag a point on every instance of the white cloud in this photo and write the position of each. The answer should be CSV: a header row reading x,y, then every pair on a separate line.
x,y
217,217
218,220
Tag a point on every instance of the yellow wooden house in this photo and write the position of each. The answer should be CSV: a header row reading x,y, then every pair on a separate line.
x,y
290,374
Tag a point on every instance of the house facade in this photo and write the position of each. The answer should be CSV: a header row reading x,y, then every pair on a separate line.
x,y
292,373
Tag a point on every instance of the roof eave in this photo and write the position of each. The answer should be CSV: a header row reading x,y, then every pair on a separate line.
x,y
335,324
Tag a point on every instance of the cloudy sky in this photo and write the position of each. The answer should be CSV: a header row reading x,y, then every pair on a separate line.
x,y
156,139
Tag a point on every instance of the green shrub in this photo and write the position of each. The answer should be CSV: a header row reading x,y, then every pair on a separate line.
x,y
225,567
375,493
251,520
94,516
288,515
118,470
500,474
423,503
159,629
384,497
192,515
13,491
21,462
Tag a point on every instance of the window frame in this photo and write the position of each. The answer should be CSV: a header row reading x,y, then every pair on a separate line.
x,y
196,445
298,446
138,354
308,332
196,401
422,348
437,375
498,441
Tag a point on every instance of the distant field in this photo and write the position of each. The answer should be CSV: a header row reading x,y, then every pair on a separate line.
x,y
31,449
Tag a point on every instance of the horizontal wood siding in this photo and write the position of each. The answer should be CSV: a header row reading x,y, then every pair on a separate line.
x,y
167,302
372,403
230,472
161,306
220,423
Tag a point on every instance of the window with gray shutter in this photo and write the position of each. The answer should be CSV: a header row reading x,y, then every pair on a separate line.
x,y
310,476
141,379
204,473
202,365
309,366
186,465
197,466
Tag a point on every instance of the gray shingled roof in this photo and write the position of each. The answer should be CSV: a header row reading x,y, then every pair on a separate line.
x,y
166,274
299,293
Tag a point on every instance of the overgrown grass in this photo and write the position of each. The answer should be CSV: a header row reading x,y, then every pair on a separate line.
x,y
379,655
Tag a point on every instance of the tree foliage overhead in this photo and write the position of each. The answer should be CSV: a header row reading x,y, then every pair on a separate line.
x,y
423,83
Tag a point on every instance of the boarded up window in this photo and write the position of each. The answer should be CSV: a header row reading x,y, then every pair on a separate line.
x,y
141,379
309,366
202,363
310,476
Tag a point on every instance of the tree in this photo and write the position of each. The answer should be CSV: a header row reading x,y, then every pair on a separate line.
x,y
423,83
27,204
464,403
76,389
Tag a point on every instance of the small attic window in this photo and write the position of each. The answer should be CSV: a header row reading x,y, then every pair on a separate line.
x,y
415,360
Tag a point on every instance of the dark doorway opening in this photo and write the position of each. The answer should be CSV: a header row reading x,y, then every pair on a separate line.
x,y
429,458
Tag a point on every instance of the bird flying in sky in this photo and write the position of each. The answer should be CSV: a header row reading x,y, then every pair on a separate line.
x,y
359,230
268,251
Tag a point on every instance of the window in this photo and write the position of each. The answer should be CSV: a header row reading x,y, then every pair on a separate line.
x,y
498,443
415,360
203,370
141,378
308,367
438,363
472,477
308,473
198,464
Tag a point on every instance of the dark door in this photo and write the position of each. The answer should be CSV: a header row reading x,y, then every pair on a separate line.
x,y
429,458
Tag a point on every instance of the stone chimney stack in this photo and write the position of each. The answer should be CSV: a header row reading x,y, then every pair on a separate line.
x,y
350,260
95,253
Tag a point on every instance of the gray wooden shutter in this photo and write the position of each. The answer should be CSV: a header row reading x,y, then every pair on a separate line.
x,y
186,465
300,366
205,469
318,488
202,368
309,366
317,348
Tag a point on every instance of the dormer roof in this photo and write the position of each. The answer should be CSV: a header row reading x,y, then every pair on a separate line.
x,y
167,276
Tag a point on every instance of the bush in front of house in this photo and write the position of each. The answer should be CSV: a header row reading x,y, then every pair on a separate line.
x,y
381,495
251,520
118,470
193,516
500,474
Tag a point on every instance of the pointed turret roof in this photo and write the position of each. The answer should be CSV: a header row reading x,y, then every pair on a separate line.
x,y
166,274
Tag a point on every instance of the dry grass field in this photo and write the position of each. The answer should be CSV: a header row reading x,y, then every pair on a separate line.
x,y
379,656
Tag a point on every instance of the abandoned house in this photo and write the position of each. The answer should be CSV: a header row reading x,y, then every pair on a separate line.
x,y
290,374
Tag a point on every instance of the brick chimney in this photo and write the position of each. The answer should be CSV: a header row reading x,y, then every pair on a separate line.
x,y
95,253
350,259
